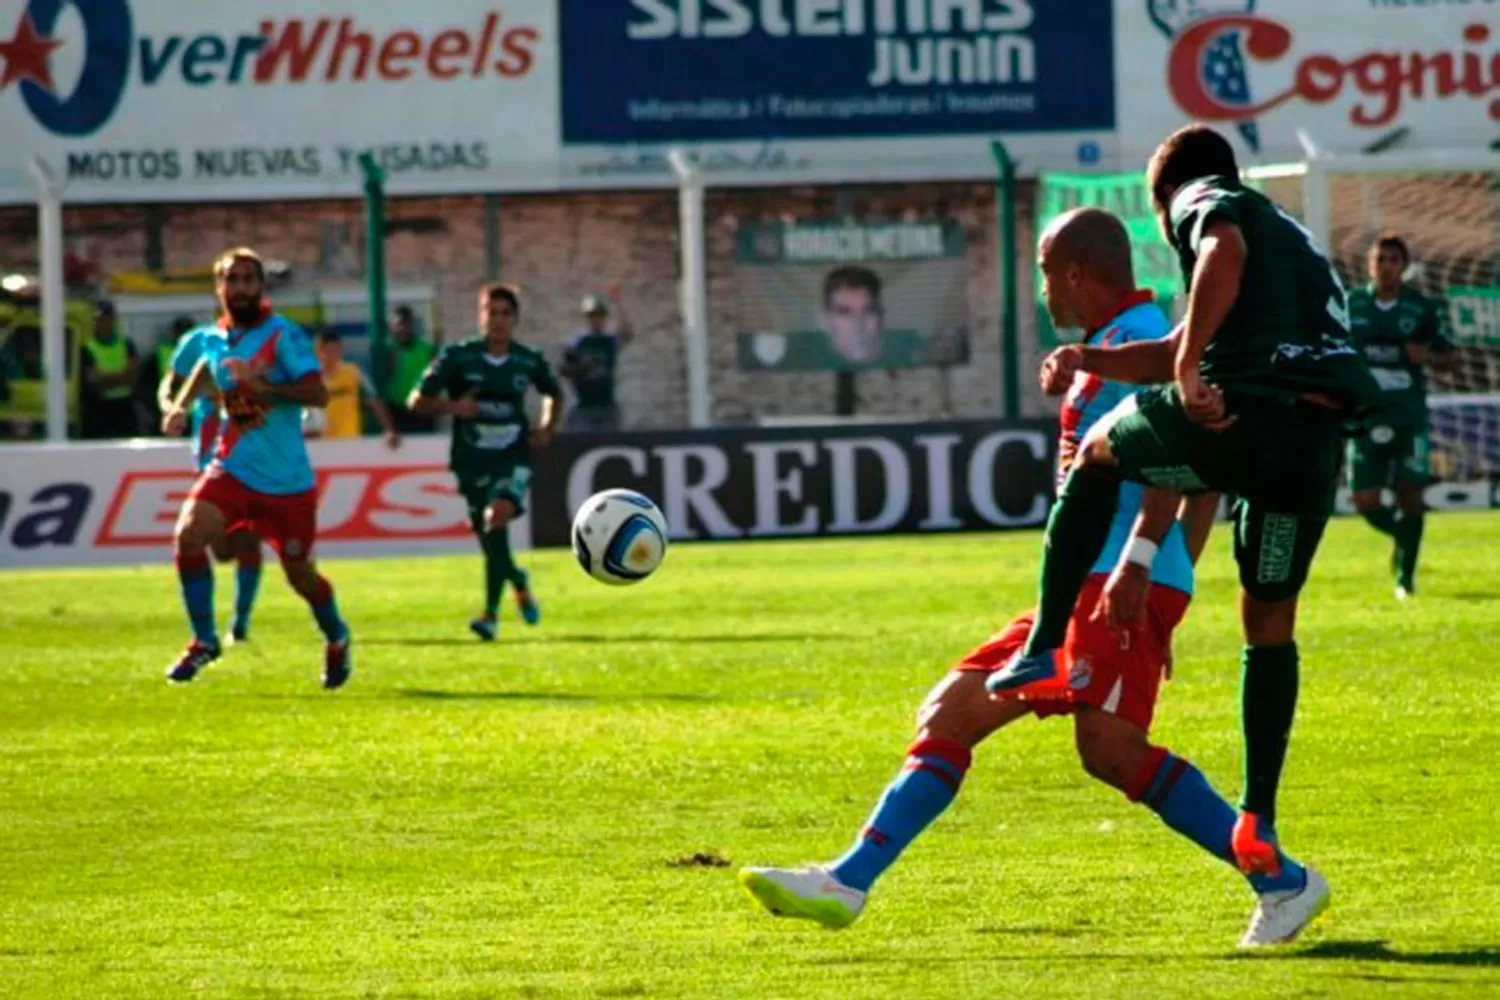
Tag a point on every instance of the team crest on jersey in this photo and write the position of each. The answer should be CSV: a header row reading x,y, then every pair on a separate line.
x,y
1081,674
520,382
1408,325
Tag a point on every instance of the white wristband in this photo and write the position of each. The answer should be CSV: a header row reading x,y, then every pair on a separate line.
x,y
1141,552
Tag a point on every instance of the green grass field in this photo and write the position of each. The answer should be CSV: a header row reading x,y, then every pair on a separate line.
x,y
522,819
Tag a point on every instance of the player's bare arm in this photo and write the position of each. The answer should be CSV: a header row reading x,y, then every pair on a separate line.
x,y
1215,287
547,419
1196,516
464,407
174,416
1123,603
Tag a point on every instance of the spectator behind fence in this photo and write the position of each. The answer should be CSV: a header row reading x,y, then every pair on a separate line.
x,y
348,385
106,404
408,356
156,365
590,363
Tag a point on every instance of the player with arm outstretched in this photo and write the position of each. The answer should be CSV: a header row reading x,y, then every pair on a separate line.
x,y
482,383
266,371
1400,332
1116,645
1257,385
203,419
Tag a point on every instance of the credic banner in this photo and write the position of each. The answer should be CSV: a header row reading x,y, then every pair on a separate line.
x,y
851,295
77,505
1346,71
172,100
673,70
847,480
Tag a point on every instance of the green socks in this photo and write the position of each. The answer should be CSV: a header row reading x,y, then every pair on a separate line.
x,y
1268,701
1408,544
498,568
1382,519
1076,533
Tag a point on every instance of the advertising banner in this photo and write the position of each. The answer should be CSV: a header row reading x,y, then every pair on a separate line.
x,y
171,100
77,505
848,480
1347,71
851,295
674,70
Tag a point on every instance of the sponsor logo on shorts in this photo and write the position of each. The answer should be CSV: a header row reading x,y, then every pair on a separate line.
x,y
1174,477
1382,435
292,548
1278,540
1081,675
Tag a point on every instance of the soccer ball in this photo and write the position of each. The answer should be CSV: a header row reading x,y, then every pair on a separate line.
x,y
619,537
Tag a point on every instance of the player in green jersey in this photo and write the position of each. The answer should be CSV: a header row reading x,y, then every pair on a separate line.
x,y
1250,396
482,383
1400,332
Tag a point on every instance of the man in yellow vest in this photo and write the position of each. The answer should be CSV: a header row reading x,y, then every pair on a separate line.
x,y
106,403
348,385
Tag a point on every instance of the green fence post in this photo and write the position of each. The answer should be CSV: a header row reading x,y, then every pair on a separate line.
x,y
375,265
1010,334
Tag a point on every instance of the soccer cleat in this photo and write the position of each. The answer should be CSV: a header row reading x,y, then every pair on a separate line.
x,y
1024,675
811,893
338,663
197,656
1256,850
531,611
1280,916
487,628
1405,593
238,632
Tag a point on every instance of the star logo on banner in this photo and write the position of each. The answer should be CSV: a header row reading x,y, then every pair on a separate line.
x,y
27,56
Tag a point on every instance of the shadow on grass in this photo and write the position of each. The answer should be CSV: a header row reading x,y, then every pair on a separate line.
x,y
564,696
562,638
1472,596
1379,951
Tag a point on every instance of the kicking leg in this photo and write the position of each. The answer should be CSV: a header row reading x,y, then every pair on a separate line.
x,y
957,715
1117,753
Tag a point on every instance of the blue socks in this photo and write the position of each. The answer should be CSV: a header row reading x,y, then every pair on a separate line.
x,y
197,579
1179,793
326,611
246,583
926,785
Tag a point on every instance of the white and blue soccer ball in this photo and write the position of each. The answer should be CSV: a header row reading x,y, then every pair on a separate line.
x,y
619,537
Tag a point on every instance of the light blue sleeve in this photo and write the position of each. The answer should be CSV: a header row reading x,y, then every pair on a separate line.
x,y
189,351
294,353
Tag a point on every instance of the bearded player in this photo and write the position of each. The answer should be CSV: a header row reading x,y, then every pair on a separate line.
x,y
203,423
1251,395
265,367
482,384
1400,333
1117,646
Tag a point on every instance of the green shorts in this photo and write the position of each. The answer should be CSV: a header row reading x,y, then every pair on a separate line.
x,y
1281,459
504,482
1388,456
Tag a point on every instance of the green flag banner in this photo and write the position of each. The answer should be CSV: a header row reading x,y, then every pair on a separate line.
x,y
1474,316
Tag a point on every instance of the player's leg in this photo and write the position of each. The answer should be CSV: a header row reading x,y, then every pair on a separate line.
x,y
956,716
289,523
1411,478
1369,474
244,545
1274,552
200,527
512,492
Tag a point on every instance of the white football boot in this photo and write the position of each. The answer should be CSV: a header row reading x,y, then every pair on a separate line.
x,y
1280,916
811,893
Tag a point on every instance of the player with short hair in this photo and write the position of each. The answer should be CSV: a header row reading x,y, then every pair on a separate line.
x,y
1250,397
1400,331
204,422
484,380
1117,646
266,370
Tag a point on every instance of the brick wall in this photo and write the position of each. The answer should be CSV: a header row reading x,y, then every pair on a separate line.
x,y
560,247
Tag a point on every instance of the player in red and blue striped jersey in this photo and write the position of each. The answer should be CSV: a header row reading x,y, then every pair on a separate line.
x,y
266,370
203,423
1116,652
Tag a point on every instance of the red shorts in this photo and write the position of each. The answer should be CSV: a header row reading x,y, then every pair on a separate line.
x,y
289,523
1119,674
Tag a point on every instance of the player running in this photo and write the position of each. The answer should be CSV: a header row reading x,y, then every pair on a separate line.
x,y
1400,332
267,372
484,380
241,543
1258,382
1117,645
